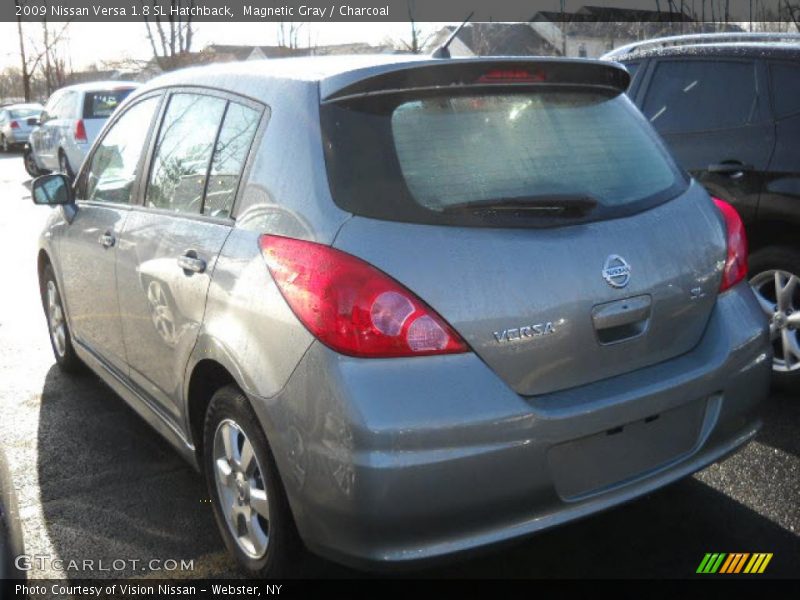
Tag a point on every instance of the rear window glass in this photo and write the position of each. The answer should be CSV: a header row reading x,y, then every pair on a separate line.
x,y
785,89
100,105
418,159
23,113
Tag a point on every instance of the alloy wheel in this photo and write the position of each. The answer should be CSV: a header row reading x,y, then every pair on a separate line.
x,y
241,489
778,293
55,319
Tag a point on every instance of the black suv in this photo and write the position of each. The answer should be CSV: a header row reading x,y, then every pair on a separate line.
x,y
729,108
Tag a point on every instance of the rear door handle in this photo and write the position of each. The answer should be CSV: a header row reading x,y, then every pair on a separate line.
x,y
107,240
734,169
191,263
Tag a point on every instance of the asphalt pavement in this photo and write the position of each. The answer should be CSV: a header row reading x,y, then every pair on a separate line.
x,y
95,483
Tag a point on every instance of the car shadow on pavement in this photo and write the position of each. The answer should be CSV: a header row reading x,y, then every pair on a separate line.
x,y
111,488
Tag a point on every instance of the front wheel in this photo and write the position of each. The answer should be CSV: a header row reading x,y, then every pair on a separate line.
x,y
60,338
775,279
247,495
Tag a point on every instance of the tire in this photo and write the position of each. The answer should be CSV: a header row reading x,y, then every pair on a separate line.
x,y
30,163
57,326
784,324
4,145
64,166
230,416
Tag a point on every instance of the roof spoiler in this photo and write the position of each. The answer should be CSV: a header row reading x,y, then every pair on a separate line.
x,y
481,73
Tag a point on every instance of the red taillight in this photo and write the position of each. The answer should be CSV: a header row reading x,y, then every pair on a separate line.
x,y
736,260
14,125
351,306
80,131
511,76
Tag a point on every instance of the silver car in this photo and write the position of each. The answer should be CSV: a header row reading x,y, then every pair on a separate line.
x,y
399,308
16,123
69,124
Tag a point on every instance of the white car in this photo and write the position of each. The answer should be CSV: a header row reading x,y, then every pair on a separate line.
x,y
16,122
71,120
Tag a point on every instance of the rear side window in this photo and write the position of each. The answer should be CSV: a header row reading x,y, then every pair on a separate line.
x,y
183,152
200,154
699,95
100,105
235,138
785,85
424,159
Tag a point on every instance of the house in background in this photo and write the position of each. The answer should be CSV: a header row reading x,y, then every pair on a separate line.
x,y
591,31
495,39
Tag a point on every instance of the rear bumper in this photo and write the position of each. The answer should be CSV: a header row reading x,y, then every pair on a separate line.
x,y
17,137
396,461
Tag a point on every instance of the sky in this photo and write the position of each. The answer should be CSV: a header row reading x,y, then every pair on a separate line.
x,y
91,42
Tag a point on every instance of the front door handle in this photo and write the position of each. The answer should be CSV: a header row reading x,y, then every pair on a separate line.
x,y
107,240
191,263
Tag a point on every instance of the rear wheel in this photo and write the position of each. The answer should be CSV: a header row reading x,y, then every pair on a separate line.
x,y
775,278
4,145
60,338
249,502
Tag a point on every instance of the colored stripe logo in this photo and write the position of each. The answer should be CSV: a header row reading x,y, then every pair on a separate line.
x,y
734,562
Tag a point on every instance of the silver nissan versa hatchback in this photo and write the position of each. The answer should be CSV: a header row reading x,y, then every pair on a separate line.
x,y
397,308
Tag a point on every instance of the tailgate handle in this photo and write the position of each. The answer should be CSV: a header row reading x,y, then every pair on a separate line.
x,y
621,319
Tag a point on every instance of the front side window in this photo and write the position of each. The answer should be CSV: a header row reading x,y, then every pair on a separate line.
x,y
112,172
183,153
701,95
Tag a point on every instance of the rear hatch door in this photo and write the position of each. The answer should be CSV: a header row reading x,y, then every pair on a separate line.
x,y
540,216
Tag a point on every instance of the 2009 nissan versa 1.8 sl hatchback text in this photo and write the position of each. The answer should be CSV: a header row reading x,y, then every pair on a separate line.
x,y
397,308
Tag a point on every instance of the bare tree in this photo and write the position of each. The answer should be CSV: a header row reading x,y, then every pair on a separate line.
x,y
793,12
170,40
289,34
26,76
418,40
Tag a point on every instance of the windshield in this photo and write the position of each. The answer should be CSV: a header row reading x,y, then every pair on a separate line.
x,y
415,158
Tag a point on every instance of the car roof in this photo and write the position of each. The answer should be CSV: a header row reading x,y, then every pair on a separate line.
x,y
34,105
722,49
333,72
99,86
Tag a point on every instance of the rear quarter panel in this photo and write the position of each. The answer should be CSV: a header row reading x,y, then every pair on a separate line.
x,y
248,327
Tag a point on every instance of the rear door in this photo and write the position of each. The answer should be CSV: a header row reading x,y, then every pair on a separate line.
x,y
547,224
43,137
714,115
781,197
171,243
89,245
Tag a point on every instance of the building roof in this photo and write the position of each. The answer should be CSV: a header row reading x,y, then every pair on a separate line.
x,y
501,39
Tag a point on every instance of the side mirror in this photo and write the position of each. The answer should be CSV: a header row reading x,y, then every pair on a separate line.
x,y
52,190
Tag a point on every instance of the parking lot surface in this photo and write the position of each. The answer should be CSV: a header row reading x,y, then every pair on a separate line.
x,y
95,483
